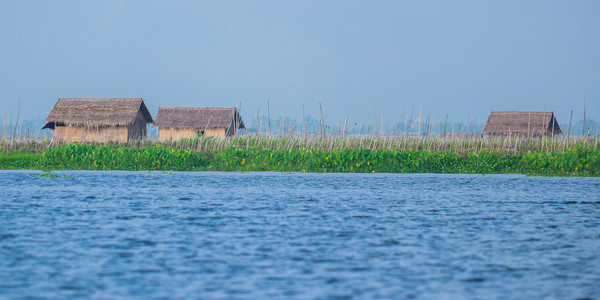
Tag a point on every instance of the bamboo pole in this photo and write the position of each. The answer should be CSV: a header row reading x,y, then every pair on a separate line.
x,y
269,117
322,119
584,119
420,113
569,133
3,136
256,127
410,119
282,129
17,121
304,133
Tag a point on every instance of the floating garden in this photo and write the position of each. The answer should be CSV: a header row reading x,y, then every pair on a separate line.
x,y
531,156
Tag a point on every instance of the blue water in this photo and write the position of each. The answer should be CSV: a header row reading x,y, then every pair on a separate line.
x,y
308,236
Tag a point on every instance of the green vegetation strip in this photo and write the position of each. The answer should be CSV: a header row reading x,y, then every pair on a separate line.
x,y
575,161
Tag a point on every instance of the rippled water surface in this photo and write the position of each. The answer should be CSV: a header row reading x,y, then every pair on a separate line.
x,y
272,235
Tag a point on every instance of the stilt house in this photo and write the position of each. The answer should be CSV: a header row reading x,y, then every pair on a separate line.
x,y
187,122
99,119
522,123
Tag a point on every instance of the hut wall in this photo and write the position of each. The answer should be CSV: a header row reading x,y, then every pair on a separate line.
x,y
166,134
138,130
82,134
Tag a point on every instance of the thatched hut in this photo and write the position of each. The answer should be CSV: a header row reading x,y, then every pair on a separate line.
x,y
522,123
99,119
187,122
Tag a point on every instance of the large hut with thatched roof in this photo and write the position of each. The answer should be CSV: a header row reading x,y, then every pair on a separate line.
x,y
188,122
522,123
99,119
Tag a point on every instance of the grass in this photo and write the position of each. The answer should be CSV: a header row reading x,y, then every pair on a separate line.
x,y
20,161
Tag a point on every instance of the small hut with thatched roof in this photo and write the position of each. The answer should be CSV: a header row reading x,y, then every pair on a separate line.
x,y
187,122
99,119
522,123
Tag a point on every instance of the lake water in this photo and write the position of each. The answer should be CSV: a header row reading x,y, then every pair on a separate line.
x,y
310,236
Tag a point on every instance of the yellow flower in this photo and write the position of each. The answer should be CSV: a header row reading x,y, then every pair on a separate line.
x,y
303,170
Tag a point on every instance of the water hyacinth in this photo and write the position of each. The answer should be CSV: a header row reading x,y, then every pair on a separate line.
x,y
114,157
576,162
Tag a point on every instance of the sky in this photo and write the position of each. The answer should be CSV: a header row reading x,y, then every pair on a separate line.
x,y
364,60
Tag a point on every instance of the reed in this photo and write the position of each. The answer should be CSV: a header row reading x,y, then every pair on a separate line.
x,y
461,145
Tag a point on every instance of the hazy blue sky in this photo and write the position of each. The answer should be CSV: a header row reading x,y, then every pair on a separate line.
x,y
360,59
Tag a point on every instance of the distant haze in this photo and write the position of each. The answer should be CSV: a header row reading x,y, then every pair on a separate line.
x,y
365,60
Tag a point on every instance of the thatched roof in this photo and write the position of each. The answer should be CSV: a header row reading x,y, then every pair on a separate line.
x,y
524,123
198,117
97,112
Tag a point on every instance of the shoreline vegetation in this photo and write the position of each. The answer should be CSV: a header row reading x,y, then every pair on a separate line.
x,y
536,156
